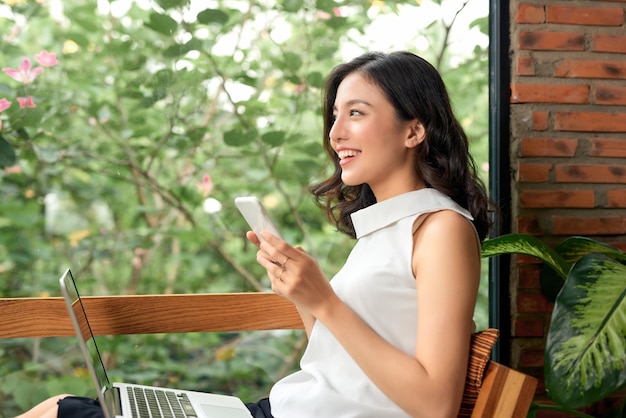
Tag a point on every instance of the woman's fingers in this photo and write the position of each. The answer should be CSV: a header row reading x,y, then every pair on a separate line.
x,y
252,237
276,249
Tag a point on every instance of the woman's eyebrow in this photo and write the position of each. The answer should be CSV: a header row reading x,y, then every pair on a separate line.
x,y
353,102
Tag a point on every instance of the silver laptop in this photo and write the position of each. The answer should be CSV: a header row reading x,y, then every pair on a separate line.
x,y
129,400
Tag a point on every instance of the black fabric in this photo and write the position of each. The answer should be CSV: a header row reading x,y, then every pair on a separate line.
x,y
79,407
261,409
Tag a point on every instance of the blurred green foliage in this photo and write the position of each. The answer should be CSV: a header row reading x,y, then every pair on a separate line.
x,y
153,108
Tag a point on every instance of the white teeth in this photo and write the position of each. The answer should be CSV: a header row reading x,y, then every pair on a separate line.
x,y
347,153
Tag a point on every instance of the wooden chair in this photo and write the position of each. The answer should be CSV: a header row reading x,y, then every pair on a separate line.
x,y
492,389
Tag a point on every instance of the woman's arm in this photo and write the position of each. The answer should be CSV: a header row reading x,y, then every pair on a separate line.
x,y
446,261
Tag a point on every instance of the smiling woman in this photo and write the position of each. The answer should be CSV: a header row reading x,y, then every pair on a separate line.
x,y
145,104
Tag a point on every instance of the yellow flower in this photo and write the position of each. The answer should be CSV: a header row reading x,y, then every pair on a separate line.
x,y
224,353
77,236
70,47
13,2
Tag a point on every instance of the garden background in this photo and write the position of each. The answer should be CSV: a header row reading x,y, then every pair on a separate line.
x,y
128,127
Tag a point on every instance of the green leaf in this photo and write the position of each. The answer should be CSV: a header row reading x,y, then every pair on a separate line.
x,y
292,5
315,79
177,50
80,39
572,249
482,23
212,16
274,138
161,23
336,22
576,247
7,154
171,4
162,78
293,61
527,245
238,137
586,341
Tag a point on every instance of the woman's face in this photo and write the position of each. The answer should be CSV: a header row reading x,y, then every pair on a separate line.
x,y
372,145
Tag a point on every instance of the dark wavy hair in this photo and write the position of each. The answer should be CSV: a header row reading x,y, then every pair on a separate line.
x,y
416,91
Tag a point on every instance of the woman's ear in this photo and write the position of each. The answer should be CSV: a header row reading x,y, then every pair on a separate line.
x,y
417,134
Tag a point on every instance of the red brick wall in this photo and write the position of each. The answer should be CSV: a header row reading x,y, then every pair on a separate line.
x,y
568,142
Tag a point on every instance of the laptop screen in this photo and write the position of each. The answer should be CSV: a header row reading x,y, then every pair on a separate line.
x,y
87,342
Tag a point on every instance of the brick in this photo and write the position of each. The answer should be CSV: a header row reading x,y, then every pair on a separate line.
x,y
529,225
541,121
557,199
533,303
593,16
549,93
592,225
590,121
529,278
551,41
525,66
616,198
548,147
604,69
523,259
533,173
532,357
601,42
610,95
620,245
590,173
530,13
608,147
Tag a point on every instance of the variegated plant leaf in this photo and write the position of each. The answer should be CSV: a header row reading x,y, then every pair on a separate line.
x,y
585,357
572,249
576,247
528,245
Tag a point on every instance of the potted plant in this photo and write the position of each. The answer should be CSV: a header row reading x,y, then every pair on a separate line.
x,y
585,353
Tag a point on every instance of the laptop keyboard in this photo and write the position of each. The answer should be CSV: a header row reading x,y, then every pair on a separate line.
x,y
159,403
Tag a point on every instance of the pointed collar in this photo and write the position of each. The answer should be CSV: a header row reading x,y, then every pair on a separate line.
x,y
382,214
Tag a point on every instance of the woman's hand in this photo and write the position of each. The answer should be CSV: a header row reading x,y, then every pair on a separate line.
x,y
294,274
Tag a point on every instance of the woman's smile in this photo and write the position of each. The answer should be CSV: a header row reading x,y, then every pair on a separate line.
x,y
347,155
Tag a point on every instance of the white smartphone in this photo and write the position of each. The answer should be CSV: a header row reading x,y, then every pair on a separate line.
x,y
255,214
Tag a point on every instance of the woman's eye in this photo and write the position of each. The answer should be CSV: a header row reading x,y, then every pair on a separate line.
x,y
355,113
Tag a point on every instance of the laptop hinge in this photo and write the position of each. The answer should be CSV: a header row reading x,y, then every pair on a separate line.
x,y
112,399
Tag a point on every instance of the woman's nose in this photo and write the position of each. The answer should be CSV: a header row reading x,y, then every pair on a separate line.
x,y
336,130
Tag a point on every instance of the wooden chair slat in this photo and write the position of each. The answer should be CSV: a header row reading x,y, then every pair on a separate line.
x,y
505,393
149,314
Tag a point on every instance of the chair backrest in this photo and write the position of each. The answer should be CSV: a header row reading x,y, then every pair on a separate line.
x,y
491,391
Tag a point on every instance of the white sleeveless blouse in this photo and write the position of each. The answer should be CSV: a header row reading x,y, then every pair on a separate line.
x,y
377,282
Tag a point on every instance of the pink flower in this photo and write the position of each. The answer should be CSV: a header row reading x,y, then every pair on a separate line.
x,y
337,11
13,34
23,73
47,59
26,102
4,104
322,15
206,186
